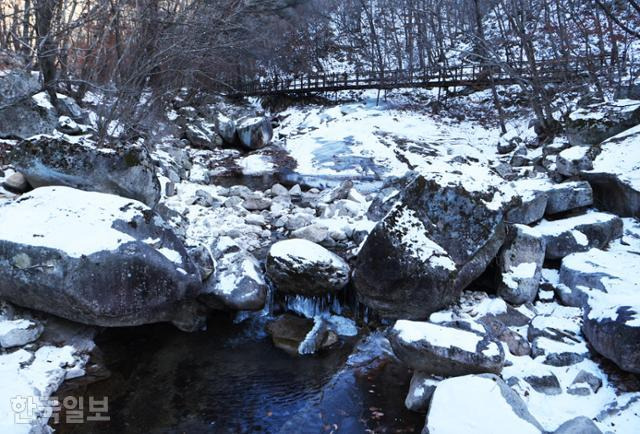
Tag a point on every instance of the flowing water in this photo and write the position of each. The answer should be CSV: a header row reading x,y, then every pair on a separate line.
x,y
231,379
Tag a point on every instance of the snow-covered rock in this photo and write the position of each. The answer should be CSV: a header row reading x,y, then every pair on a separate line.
x,y
16,183
568,196
479,404
302,267
557,339
421,389
93,258
434,242
445,350
521,260
24,111
578,425
579,234
596,123
574,160
125,170
19,332
238,283
615,176
254,132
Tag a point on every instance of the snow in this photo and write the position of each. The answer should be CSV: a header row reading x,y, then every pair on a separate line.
x,y
302,251
256,165
30,379
473,404
414,237
73,221
558,227
444,337
574,153
620,157
522,271
42,100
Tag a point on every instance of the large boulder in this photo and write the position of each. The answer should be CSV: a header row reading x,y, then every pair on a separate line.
x,y
433,243
124,170
596,123
445,350
478,404
615,176
579,234
23,111
302,267
238,283
94,258
568,196
520,262
254,132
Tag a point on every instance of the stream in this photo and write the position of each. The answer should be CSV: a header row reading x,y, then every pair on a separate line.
x,y
231,379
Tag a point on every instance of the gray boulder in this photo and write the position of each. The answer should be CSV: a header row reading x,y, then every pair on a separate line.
x,y
124,170
23,111
420,391
574,160
479,403
520,261
596,123
578,425
568,196
430,246
579,234
443,350
94,258
612,328
615,174
254,132
301,267
16,183
238,283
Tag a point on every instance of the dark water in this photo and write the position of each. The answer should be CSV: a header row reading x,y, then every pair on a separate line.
x,y
230,379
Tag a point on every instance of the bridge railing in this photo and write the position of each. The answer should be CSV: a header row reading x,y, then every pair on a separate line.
x,y
455,75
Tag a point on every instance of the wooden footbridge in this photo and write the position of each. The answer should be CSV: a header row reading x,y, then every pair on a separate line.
x,y
469,74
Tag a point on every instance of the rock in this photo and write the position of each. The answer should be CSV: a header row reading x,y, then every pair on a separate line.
x,y
520,158
475,403
66,125
93,258
238,284
23,111
279,190
301,267
578,425
255,132
546,384
572,161
611,325
388,195
517,344
568,196
531,208
446,351
225,127
16,183
257,203
420,391
596,123
508,144
204,198
520,261
316,233
430,246
201,135
18,332
289,332
557,339
125,170
201,257
588,379
579,234
615,176
295,190
300,220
